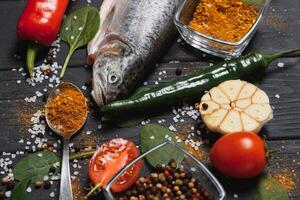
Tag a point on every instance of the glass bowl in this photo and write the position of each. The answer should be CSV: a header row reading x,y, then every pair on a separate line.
x,y
208,44
190,164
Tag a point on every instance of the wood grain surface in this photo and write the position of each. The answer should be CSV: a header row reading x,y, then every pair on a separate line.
x,y
279,30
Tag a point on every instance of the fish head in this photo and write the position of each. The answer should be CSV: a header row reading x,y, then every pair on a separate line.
x,y
109,71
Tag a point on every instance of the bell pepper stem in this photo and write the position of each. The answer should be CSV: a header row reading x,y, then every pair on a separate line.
x,y
30,57
71,51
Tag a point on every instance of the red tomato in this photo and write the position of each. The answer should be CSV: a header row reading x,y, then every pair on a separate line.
x,y
110,158
239,155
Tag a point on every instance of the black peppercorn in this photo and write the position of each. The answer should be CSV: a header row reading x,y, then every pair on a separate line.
x,y
40,135
204,106
159,168
47,185
2,194
188,175
153,190
10,185
128,193
170,179
52,169
188,194
178,71
183,188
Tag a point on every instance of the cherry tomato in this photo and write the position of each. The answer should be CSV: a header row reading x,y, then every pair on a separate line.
x,y
239,155
109,159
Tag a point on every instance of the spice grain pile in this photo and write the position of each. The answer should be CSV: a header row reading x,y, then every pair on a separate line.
x,y
227,20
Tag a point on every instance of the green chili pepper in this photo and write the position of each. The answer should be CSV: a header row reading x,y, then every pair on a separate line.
x,y
189,87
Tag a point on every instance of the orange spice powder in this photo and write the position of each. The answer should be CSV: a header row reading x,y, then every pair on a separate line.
x,y
285,179
228,20
67,110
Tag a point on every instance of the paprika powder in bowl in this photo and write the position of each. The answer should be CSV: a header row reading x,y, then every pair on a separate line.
x,y
222,28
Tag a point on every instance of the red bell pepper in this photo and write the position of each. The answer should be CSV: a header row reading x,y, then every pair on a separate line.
x,y
40,23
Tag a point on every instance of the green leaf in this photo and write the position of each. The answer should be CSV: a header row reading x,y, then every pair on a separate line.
x,y
19,192
269,188
78,29
35,165
153,135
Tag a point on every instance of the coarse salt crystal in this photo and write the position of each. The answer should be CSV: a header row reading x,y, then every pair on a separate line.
x,y
280,64
8,194
277,96
52,194
88,132
38,94
172,128
28,189
84,87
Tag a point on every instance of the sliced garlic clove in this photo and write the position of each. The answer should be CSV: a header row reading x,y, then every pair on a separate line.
x,y
215,119
218,96
260,97
259,112
232,123
249,123
231,88
247,91
243,103
206,97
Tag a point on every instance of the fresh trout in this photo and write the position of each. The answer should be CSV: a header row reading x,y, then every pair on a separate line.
x,y
132,35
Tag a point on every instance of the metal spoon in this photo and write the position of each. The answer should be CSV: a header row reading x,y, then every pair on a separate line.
x,y
65,182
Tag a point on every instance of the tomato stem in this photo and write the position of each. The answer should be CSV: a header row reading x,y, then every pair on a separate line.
x,y
83,154
94,189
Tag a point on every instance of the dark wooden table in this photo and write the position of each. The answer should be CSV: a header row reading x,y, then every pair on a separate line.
x,y
280,30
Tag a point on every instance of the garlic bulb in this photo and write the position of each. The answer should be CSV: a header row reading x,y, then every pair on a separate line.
x,y
234,106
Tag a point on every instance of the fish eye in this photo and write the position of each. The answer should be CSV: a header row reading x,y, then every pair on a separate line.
x,y
113,78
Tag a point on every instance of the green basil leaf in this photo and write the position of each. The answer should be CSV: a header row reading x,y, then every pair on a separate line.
x,y
35,165
19,192
153,135
269,188
78,29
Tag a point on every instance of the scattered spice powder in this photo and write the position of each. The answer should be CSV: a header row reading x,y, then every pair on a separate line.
x,y
67,111
285,180
228,20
